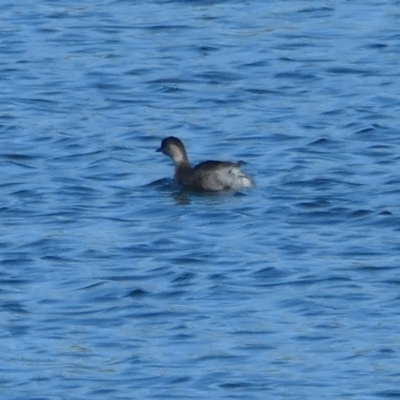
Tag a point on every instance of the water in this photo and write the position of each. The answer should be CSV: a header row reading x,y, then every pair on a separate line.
x,y
116,285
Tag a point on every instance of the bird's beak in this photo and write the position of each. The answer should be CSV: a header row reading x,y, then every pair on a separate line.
x,y
159,150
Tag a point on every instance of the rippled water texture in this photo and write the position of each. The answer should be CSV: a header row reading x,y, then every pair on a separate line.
x,y
116,285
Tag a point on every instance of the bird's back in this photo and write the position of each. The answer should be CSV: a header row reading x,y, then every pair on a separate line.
x,y
219,176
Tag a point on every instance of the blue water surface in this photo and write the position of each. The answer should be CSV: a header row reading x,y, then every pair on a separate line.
x,y
115,284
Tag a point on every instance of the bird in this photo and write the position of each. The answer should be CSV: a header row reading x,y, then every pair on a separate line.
x,y
208,176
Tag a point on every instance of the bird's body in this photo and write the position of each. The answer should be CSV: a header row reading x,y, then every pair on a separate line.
x,y
208,176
